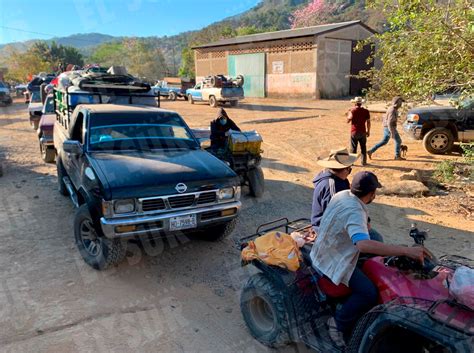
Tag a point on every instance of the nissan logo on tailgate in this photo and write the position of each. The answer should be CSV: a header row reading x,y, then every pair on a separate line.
x,y
181,187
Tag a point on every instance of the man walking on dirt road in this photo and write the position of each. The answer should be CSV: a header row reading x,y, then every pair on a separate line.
x,y
359,118
389,124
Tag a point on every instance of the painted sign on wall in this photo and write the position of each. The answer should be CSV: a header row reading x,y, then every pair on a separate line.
x,y
277,67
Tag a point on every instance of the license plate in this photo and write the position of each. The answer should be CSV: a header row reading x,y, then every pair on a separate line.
x,y
183,222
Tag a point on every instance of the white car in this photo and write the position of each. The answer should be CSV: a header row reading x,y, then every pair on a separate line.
x,y
35,107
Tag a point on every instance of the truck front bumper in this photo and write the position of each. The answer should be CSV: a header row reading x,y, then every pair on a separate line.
x,y
142,225
412,131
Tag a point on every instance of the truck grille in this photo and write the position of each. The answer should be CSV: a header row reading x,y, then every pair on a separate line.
x,y
153,205
163,203
181,201
207,197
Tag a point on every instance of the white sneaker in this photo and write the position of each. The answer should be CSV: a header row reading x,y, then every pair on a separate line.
x,y
336,335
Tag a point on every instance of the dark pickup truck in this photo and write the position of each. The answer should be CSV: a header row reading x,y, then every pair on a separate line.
x,y
136,171
441,127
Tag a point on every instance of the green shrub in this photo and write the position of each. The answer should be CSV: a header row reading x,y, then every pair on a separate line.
x,y
468,152
445,171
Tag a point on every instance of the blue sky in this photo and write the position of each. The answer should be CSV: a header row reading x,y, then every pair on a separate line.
x,y
115,17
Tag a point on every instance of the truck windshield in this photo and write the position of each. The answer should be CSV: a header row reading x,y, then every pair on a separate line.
x,y
139,131
49,105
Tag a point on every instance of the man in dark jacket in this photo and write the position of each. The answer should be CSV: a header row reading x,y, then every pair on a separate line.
x,y
219,127
332,180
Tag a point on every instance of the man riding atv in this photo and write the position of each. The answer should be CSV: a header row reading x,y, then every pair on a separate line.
x,y
219,127
343,234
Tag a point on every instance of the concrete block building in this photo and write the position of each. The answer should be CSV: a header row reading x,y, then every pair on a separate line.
x,y
311,62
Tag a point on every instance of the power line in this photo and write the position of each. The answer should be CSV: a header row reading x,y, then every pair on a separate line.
x,y
47,34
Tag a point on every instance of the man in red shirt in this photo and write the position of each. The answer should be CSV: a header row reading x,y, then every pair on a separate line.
x,y
360,127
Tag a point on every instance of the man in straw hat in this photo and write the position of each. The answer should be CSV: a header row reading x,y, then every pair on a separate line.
x,y
359,118
389,124
338,166
343,235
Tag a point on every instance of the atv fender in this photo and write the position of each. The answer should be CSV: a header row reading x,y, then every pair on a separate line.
x,y
415,320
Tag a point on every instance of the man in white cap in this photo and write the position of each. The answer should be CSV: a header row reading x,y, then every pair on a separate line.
x,y
359,118
338,166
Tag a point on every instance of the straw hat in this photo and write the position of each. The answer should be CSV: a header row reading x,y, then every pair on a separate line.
x,y
338,159
358,100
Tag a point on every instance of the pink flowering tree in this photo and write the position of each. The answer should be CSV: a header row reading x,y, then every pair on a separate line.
x,y
315,13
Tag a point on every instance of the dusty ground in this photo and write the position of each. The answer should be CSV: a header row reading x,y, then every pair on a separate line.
x,y
177,297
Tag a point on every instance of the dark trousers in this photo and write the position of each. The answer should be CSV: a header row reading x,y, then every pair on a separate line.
x,y
363,298
362,140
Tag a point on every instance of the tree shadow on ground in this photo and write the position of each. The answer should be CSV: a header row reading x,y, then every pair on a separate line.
x,y
271,163
281,120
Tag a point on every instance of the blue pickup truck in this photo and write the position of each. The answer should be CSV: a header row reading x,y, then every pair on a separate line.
x,y
173,88
217,89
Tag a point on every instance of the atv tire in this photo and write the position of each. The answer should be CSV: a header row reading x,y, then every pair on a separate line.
x,y
218,232
263,309
97,251
256,182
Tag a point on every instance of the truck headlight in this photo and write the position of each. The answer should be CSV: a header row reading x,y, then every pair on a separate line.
x,y
413,118
226,193
124,206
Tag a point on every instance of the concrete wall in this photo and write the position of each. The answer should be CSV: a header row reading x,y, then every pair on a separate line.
x,y
334,60
290,64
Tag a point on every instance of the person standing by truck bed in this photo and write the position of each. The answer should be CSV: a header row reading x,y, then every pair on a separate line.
x,y
219,128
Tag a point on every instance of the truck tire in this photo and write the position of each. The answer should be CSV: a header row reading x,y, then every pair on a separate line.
x,y
256,182
172,96
96,250
48,154
438,140
213,101
61,174
213,81
34,124
233,103
218,232
190,99
263,309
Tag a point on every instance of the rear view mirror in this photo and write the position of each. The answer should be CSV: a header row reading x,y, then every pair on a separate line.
x,y
72,146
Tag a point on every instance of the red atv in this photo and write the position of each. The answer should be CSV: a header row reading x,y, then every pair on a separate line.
x,y
416,313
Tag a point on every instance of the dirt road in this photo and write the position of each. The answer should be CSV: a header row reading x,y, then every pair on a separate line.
x,y
180,295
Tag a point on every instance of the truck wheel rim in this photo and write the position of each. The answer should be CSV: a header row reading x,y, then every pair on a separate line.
x,y
89,238
262,314
439,141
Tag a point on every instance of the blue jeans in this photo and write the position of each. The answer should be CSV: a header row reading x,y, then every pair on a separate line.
x,y
386,138
363,298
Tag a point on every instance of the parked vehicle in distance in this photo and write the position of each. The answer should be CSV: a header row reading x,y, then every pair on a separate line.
x,y
135,171
35,106
441,127
5,97
217,89
45,130
19,90
173,87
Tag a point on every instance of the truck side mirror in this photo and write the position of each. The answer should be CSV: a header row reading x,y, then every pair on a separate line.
x,y
72,147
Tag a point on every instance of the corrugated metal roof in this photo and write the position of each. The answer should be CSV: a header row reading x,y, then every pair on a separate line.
x,y
288,33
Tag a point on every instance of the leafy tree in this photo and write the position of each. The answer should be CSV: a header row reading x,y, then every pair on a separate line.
x,y
428,47
187,64
57,54
23,65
